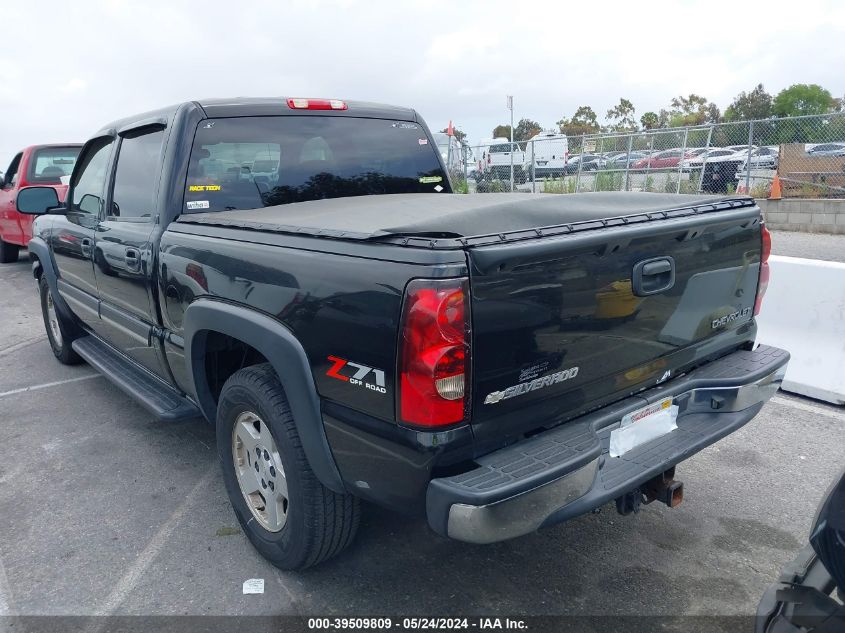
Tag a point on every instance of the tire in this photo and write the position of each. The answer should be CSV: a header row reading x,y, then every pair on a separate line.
x,y
312,523
8,252
59,333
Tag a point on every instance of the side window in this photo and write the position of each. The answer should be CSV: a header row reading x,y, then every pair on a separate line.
x,y
91,178
12,172
136,177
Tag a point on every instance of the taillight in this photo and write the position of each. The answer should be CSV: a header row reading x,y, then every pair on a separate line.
x,y
434,352
316,104
763,281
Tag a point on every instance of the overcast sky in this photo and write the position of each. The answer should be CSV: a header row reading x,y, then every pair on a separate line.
x,y
69,67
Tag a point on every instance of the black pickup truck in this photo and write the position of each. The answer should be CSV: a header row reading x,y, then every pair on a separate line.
x,y
299,273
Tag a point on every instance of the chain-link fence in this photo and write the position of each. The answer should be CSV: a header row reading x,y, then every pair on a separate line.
x,y
806,154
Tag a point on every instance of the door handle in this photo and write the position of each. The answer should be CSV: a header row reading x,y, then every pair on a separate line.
x,y
86,245
132,258
653,276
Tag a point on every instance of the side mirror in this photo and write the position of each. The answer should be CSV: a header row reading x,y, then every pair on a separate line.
x,y
37,200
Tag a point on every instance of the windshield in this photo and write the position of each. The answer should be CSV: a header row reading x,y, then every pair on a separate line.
x,y
252,162
49,164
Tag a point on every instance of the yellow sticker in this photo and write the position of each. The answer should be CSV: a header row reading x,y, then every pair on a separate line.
x,y
204,188
429,179
666,403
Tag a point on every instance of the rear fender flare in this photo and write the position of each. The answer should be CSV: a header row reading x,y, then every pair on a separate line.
x,y
287,356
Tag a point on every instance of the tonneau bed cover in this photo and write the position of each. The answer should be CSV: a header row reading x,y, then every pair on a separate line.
x,y
456,216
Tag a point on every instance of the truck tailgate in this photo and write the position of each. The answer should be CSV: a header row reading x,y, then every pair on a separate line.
x,y
568,322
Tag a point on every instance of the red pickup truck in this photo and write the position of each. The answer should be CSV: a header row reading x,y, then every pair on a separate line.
x,y
37,165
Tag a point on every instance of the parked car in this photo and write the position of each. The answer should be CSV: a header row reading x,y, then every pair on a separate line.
x,y
740,148
320,319
37,165
761,158
584,162
810,593
697,161
621,160
549,151
661,160
500,156
827,149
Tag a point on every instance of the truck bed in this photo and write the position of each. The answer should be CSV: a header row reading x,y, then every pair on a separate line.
x,y
452,219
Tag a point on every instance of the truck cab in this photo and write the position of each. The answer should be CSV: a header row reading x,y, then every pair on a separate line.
x,y
38,166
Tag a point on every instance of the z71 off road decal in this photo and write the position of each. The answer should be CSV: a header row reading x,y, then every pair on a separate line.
x,y
357,374
525,387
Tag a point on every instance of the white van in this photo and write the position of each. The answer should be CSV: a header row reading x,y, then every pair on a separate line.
x,y
498,160
551,152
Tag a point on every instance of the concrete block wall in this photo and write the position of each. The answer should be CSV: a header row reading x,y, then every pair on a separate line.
x,y
807,216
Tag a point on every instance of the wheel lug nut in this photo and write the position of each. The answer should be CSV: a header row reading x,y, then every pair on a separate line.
x,y
263,484
266,456
272,471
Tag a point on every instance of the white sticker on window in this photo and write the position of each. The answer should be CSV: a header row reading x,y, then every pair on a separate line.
x,y
197,204
422,141
438,188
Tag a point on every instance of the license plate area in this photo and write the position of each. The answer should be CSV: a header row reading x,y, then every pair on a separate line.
x,y
642,426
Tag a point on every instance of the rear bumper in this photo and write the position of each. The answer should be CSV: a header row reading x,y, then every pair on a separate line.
x,y
566,471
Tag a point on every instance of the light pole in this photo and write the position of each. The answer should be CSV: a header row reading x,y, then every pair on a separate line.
x,y
510,107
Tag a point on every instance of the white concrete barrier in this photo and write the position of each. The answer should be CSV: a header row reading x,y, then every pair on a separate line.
x,y
804,313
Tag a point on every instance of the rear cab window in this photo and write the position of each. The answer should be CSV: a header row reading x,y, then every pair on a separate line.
x,y
48,165
254,162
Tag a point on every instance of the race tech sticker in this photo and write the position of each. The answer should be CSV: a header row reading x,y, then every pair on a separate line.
x,y
197,204
427,179
205,188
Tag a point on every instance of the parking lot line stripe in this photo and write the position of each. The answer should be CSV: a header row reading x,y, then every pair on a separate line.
x,y
136,570
811,408
49,384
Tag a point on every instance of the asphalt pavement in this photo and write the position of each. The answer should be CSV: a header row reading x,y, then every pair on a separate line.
x,y
809,245
106,511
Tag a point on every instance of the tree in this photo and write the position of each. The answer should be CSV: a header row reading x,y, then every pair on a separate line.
x,y
801,99
458,133
584,121
692,110
622,117
525,129
649,120
502,131
748,106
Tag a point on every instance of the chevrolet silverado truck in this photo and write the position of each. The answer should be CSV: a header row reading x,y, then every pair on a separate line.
x,y
38,165
299,273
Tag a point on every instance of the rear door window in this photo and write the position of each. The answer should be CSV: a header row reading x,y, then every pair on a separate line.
x,y
253,162
49,164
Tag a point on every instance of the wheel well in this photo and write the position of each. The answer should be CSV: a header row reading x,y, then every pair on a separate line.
x,y
224,355
37,268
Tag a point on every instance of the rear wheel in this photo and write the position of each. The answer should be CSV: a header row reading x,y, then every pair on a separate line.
x,y
288,515
8,252
59,332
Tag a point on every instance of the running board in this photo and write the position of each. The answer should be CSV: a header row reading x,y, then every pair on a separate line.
x,y
160,399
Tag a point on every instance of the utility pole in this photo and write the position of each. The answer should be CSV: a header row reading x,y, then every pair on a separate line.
x,y
510,107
